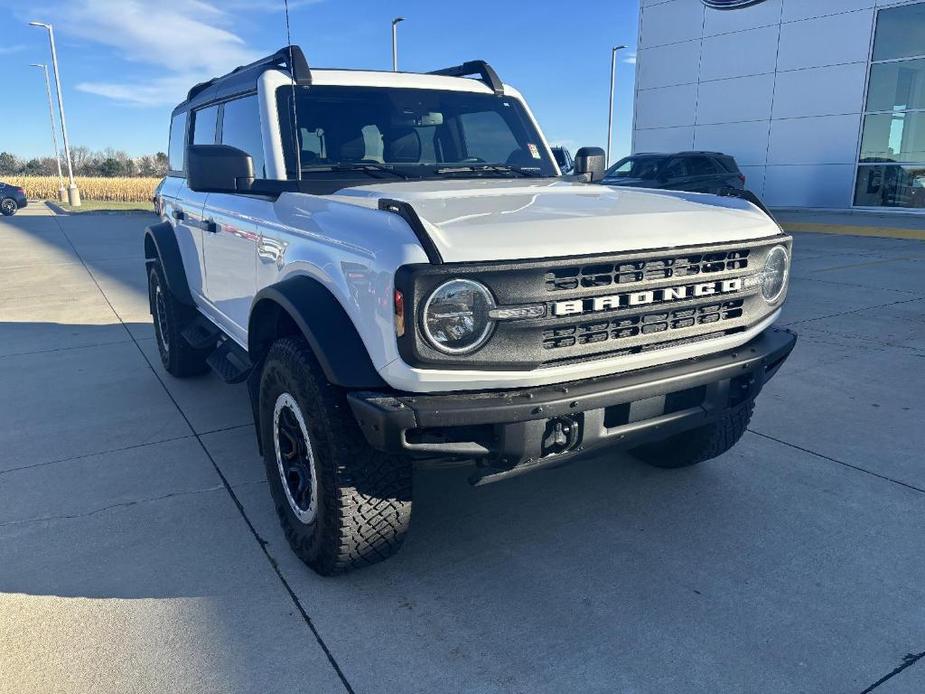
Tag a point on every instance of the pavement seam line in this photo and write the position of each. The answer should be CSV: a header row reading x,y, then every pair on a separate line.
x,y
123,448
121,504
260,541
909,660
851,284
856,310
95,453
63,349
840,462
873,342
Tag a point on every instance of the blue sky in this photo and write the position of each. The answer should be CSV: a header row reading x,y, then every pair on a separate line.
x,y
126,63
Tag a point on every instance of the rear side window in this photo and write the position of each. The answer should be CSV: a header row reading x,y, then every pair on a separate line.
x,y
177,147
729,164
701,166
676,168
204,122
241,129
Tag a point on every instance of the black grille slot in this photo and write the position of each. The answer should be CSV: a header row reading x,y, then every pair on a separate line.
x,y
653,324
651,270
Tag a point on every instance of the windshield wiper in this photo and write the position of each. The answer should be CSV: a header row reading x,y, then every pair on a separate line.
x,y
489,169
365,167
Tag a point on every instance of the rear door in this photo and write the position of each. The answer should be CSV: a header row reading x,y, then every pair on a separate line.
x,y
705,176
229,229
182,207
675,174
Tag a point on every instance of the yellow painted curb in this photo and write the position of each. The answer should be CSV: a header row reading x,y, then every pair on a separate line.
x,y
887,232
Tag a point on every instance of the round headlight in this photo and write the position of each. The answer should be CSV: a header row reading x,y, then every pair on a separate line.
x,y
774,275
455,318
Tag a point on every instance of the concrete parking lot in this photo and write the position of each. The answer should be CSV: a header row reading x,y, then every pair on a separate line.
x,y
139,550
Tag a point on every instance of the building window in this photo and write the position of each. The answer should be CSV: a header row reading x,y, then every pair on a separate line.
x,y
891,169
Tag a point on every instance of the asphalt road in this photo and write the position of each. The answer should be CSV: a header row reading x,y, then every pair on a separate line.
x,y
139,550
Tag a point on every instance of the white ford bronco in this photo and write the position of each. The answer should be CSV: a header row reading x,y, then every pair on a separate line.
x,y
398,270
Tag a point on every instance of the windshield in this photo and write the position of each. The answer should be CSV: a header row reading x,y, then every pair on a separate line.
x,y
635,167
410,133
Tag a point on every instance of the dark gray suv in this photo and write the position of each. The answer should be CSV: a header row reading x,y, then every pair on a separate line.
x,y
11,198
698,172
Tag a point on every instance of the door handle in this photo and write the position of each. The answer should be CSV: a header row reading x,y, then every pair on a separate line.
x,y
208,225
178,214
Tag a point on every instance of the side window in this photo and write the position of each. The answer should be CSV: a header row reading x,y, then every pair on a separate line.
x,y
204,122
177,147
702,166
488,137
676,168
241,129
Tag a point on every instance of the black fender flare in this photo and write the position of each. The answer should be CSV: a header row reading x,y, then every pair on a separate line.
x,y
161,244
322,320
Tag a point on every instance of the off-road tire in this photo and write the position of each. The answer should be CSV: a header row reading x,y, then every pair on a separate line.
x,y
698,445
363,509
8,207
170,318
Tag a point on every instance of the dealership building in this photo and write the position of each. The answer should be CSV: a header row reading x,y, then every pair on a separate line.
x,y
822,102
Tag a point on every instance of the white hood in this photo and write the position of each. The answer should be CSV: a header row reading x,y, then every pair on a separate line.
x,y
491,219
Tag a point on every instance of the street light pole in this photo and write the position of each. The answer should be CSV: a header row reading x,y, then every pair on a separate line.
x,y
54,136
613,79
395,42
73,195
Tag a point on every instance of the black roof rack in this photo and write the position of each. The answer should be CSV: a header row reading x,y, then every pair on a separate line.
x,y
244,77
475,67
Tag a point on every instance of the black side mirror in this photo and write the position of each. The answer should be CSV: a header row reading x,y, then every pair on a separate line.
x,y
218,169
590,160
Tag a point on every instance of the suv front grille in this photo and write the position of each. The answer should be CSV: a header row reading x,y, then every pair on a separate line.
x,y
626,327
599,307
636,271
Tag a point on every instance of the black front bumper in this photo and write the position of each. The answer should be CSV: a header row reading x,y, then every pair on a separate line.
x,y
516,430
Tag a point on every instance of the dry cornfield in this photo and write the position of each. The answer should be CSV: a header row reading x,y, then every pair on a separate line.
x,y
91,187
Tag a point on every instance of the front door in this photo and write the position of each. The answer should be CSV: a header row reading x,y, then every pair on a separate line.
x,y
230,248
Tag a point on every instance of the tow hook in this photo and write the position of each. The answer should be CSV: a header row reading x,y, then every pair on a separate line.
x,y
562,435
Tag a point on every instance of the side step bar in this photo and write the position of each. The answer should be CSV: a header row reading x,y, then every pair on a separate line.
x,y
201,333
230,363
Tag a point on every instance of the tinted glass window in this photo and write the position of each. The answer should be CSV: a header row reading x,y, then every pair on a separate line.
x,y
727,163
204,122
177,147
896,137
897,86
890,185
241,129
701,166
419,132
635,167
677,168
487,138
900,32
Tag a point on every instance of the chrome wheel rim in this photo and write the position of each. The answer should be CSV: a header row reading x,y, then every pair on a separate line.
x,y
295,459
9,206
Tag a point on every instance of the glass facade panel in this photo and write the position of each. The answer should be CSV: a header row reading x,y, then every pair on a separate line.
x,y
891,170
897,86
890,185
894,137
900,32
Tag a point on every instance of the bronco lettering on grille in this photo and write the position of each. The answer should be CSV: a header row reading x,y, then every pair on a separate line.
x,y
651,296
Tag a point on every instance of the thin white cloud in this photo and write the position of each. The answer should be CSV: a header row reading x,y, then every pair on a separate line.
x,y
187,40
630,59
9,50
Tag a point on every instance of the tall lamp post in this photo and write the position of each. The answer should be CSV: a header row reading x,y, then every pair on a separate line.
x,y
395,23
73,195
613,79
54,135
